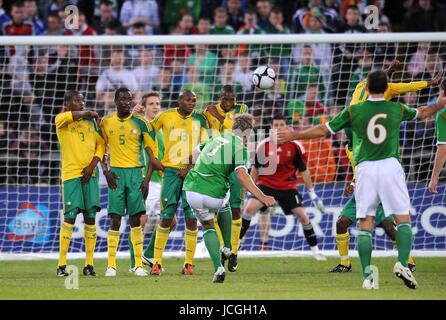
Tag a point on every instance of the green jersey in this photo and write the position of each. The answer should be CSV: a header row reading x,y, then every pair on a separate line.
x,y
156,176
219,157
376,128
440,127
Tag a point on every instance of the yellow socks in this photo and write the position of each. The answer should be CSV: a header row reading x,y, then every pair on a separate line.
x,y
236,228
218,231
162,235
66,230
342,241
191,245
112,242
137,242
90,237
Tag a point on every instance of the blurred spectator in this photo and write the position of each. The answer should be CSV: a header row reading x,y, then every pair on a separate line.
x,y
175,9
32,15
226,77
314,107
235,14
303,74
55,6
19,72
201,89
423,17
178,74
185,25
54,25
113,78
365,63
321,161
263,9
144,11
147,74
204,26
165,87
134,51
3,17
250,27
327,16
173,52
105,16
243,73
433,65
113,28
29,144
384,52
296,110
205,62
4,138
282,52
220,22
18,26
417,62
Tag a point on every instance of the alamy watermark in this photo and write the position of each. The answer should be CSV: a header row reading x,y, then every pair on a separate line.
x,y
372,19
373,275
71,17
72,280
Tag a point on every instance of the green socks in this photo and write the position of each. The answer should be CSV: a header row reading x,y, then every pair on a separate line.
x,y
364,243
213,245
404,242
149,252
224,219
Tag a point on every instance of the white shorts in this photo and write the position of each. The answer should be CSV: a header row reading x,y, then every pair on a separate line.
x,y
204,206
381,181
153,199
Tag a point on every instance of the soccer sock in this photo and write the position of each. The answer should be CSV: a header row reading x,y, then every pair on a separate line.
x,y
148,253
191,244
90,237
342,241
218,230
404,242
246,222
132,252
364,242
112,243
225,223
66,230
410,260
213,245
137,241
309,234
162,235
236,227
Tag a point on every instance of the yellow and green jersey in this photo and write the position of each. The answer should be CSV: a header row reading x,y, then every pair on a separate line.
x,y
376,128
215,125
79,141
440,127
125,138
181,134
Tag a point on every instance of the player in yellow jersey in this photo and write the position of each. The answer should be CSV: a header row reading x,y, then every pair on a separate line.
x,y
348,213
82,147
126,134
183,129
220,118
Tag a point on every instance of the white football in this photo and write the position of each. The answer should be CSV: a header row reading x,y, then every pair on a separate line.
x,y
263,77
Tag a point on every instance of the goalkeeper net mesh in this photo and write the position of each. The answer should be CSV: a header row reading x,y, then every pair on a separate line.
x,y
314,81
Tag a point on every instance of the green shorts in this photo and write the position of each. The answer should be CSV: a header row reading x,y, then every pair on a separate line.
x,y
349,211
171,192
235,191
81,197
126,199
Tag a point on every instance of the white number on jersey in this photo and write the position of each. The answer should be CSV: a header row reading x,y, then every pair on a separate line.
x,y
373,128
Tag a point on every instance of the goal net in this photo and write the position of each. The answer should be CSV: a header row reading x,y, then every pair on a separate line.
x,y
316,77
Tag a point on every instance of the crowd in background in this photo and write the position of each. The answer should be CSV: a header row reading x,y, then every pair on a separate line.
x,y
313,81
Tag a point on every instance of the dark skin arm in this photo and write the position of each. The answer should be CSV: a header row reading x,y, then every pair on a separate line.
x,y
110,176
154,162
144,188
183,172
436,80
82,114
212,109
87,172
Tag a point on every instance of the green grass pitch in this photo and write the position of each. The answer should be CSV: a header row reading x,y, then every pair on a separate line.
x,y
256,278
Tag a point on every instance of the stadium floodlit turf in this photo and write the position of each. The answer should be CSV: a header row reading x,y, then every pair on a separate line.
x,y
256,278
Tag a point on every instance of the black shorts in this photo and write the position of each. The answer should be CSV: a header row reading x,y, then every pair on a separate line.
x,y
287,199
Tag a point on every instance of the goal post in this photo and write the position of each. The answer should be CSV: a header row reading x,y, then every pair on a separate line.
x,y
316,77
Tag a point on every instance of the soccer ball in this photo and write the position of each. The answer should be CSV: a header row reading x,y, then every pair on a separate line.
x,y
263,77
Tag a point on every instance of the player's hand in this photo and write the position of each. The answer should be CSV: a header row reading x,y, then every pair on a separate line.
x,y
144,188
111,179
437,79
95,116
183,173
433,186
87,172
285,135
442,98
349,188
139,109
268,201
317,202
392,67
